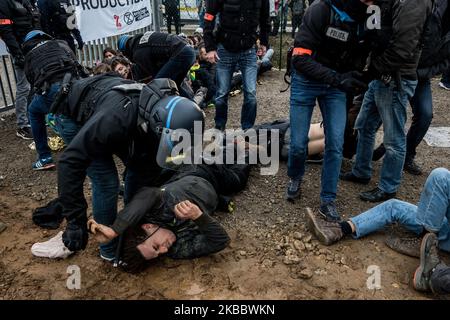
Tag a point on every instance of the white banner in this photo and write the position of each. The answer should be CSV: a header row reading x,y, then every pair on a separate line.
x,y
98,19
3,50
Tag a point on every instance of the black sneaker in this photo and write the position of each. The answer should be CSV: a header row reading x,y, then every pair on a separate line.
x,y
293,189
24,133
329,212
349,176
376,195
412,167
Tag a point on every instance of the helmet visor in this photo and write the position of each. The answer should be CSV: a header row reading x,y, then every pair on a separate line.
x,y
178,147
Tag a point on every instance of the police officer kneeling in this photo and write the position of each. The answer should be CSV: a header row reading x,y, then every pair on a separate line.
x,y
328,48
159,55
127,121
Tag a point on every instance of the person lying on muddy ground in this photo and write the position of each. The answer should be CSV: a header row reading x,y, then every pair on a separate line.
x,y
176,219
431,215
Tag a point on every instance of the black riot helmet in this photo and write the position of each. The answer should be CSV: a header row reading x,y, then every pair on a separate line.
x,y
173,119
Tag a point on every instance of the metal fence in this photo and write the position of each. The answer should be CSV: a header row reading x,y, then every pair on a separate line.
x,y
7,84
92,52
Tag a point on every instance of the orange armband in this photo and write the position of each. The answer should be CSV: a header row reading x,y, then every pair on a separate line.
x,y
301,52
209,17
5,21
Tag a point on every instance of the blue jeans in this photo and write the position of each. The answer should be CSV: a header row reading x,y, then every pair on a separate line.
x,y
37,111
21,103
332,103
431,213
177,67
422,108
105,183
224,73
383,105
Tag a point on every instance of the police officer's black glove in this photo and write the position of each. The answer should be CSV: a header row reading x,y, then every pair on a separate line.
x,y
75,238
19,61
350,82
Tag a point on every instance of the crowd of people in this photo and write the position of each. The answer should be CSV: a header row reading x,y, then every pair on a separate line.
x,y
154,83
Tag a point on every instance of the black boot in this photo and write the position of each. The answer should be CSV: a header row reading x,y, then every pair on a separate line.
x,y
412,167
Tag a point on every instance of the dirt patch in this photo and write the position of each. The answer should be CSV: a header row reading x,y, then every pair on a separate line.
x,y
271,256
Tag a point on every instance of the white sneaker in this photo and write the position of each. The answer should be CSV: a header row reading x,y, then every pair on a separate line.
x,y
443,86
53,248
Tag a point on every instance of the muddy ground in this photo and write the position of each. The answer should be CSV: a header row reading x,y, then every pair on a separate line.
x,y
271,256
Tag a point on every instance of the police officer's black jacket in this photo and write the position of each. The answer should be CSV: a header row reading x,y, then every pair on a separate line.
x,y
397,45
150,51
238,25
17,18
111,130
46,62
325,44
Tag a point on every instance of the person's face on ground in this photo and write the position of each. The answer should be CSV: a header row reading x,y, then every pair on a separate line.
x,y
109,55
202,54
123,70
158,243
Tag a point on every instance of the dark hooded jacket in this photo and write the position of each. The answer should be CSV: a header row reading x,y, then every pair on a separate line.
x,y
194,238
398,44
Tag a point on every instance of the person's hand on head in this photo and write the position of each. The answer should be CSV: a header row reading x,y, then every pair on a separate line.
x,y
102,233
212,57
186,210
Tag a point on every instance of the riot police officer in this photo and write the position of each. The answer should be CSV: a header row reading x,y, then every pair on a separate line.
x,y
17,18
128,121
234,43
159,55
